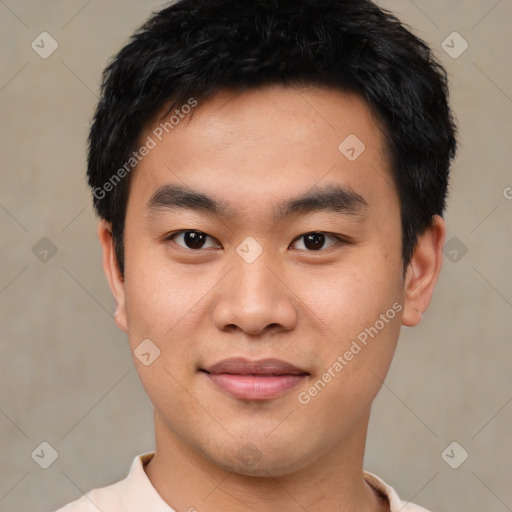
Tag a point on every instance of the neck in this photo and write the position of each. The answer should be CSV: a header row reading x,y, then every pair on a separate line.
x,y
188,481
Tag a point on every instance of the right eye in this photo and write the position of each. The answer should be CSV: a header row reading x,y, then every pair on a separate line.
x,y
191,239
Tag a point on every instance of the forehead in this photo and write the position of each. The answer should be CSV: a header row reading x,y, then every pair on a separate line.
x,y
263,146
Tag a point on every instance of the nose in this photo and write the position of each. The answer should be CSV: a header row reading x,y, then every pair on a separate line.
x,y
255,298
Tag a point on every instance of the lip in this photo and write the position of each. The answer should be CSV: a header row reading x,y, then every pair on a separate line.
x,y
254,380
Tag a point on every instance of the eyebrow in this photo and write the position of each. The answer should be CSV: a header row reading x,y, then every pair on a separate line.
x,y
330,198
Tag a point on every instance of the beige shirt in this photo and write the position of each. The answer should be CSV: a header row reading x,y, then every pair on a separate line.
x,y
136,494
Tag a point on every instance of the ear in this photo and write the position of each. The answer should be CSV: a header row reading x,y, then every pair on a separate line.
x,y
112,272
423,271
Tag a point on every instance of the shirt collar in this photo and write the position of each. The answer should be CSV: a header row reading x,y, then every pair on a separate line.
x,y
137,492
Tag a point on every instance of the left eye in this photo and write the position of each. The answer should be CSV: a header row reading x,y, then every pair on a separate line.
x,y
315,240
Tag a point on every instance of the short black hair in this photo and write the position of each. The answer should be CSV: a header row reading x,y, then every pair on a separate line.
x,y
194,48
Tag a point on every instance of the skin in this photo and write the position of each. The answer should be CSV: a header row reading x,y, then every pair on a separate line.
x,y
199,306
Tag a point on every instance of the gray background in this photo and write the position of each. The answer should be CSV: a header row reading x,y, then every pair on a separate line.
x,y
67,374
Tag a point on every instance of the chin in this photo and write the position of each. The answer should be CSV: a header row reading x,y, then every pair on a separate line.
x,y
266,461
273,468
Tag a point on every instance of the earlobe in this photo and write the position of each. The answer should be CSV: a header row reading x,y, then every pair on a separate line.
x,y
423,272
112,272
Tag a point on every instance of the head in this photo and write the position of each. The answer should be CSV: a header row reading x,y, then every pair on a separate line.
x,y
314,136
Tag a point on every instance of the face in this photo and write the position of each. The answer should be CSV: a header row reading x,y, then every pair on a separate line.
x,y
273,301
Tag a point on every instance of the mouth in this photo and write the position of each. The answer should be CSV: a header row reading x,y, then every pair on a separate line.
x,y
254,380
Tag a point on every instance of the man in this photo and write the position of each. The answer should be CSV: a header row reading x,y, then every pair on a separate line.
x,y
270,178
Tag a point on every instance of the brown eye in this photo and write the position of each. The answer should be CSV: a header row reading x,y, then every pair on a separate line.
x,y
192,239
315,241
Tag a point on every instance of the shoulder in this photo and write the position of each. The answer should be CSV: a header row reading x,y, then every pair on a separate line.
x,y
124,495
94,501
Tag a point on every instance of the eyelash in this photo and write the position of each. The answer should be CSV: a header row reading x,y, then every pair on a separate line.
x,y
339,239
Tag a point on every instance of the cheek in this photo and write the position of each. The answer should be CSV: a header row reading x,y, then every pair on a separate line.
x,y
355,363
360,311
158,306
157,295
169,306
350,298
